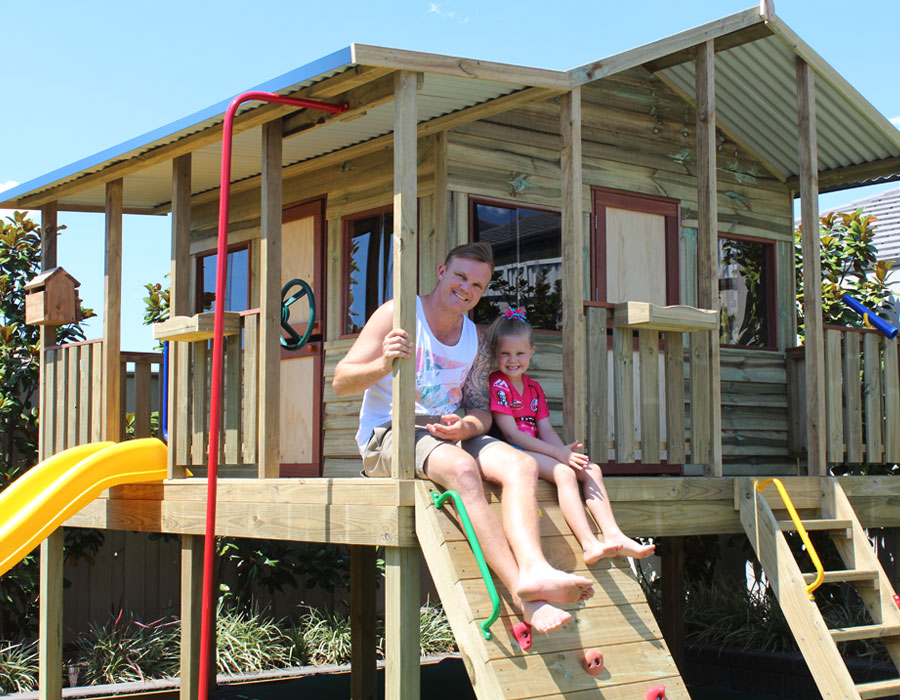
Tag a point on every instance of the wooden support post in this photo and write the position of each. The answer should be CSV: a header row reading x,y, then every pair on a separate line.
x,y
402,563
574,359
191,594
50,624
672,622
363,574
814,343
112,313
179,299
435,250
49,232
707,235
270,303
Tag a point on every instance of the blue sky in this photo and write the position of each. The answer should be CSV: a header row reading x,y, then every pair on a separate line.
x,y
80,77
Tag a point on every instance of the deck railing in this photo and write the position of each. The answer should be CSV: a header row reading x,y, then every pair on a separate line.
x,y
646,425
862,397
189,416
73,390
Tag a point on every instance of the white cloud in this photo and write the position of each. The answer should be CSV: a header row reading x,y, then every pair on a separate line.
x,y
8,185
437,9
895,121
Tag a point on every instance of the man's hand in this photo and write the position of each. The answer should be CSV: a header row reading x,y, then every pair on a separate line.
x,y
568,455
395,344
450,428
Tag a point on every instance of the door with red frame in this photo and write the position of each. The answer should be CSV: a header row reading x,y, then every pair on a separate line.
x,y
302,246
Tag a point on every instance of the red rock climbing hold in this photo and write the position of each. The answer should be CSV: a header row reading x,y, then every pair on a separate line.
x,y
657,692
593,661
522,632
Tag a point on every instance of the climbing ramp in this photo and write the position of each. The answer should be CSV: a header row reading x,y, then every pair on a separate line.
x,y
617,620
795,590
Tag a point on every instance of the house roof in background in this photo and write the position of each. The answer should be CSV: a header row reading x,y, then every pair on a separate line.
x,y
885,207
755,95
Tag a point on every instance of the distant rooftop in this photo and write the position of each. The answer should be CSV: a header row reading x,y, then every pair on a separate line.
x,y
886,208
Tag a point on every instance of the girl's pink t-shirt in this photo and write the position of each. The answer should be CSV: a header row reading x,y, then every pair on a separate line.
x,y
527,408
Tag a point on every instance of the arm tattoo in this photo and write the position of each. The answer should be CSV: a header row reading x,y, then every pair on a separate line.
x,y
476,392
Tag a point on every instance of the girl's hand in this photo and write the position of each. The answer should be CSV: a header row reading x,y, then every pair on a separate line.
x,y
576,460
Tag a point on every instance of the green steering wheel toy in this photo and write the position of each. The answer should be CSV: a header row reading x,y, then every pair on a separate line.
x,y
294,341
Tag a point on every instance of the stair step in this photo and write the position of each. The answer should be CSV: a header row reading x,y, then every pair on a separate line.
x,y
878,689
817,524
848,634
841,575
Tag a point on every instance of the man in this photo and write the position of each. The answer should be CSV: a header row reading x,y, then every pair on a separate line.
x,y
452,367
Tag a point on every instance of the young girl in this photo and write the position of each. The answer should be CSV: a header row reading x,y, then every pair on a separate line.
x,y
520,412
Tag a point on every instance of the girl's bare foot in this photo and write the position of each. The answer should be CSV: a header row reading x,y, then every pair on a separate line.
x,y
542,616
628,547
597,550
543,582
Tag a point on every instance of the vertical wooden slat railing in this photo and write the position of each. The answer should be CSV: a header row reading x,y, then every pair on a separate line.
x,y
144,365
862,397
643,406
189,422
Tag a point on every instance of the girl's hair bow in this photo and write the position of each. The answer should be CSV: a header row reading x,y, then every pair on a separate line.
x,y
517,314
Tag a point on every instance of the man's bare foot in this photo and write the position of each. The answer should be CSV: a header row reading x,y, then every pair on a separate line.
x,y
628,547
597,550
543,582
542,616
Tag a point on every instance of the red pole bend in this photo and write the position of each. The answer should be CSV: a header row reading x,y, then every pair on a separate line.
x,y
215,399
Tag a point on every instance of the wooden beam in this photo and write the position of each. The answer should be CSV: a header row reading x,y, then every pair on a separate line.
x,y
405,264
885,170
812,270
672,622
270,303
363,642
664,47
401,639
437,247
574,358
707,233
179,295
191,595
112,313
49,234
50,641
723,43
401,60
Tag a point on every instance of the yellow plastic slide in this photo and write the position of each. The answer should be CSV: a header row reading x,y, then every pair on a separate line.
x,y
48,494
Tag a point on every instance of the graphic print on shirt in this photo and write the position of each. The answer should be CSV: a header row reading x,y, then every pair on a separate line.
x,y
439,382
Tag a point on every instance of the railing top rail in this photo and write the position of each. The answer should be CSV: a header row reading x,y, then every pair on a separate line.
x,y
75,344
140,357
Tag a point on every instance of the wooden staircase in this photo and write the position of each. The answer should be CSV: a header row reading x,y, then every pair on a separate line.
x,y
817,642
617,619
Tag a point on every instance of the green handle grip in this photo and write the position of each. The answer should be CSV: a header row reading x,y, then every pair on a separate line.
x,y
439,499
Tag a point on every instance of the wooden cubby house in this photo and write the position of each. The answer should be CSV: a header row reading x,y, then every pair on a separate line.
x,y
631,174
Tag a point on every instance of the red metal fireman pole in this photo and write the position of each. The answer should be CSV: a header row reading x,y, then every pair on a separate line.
x,y
215,399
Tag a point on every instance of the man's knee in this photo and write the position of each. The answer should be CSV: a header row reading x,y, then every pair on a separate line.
x,y
456,470
522,466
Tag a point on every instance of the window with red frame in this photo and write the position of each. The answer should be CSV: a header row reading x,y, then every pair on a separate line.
x,y
527,246
237,280
368,267
746,292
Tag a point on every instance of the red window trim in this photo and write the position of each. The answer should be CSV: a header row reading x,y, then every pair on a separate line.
x,y
198,271
771,288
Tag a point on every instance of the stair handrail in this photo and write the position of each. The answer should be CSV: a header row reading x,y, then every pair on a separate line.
x,y
820,571
438,499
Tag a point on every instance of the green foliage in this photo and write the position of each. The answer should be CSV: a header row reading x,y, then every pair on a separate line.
x,y
247,641
20,261
122,650
324,638
18,667
847,252
435,635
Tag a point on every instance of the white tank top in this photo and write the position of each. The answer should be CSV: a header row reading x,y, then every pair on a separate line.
x,y
441,372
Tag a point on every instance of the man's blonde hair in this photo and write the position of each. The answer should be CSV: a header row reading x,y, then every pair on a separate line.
x,y
478,251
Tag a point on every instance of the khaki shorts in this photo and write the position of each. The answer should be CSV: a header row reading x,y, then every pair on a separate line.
x,y
377,454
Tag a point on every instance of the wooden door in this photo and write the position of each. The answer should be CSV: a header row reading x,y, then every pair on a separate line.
x,y
302,236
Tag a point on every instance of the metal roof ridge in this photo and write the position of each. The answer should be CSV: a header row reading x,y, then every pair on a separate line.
x,y
321,65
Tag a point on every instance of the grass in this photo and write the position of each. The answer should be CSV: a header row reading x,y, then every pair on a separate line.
x,y
18,667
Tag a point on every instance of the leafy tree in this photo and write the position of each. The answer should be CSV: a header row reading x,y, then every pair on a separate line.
x,y
20,261
848,254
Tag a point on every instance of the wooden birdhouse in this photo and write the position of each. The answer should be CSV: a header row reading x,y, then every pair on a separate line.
x,y
51,299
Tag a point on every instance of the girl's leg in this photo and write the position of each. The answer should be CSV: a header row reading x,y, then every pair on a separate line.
x,y
598,503
572,507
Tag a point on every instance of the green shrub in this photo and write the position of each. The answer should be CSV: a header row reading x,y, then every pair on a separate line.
x,y
247,642
325,637
18,667
435,636
122,651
